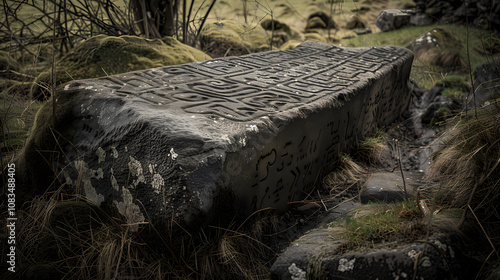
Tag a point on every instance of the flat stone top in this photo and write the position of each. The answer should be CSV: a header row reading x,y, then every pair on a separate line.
x,y
241,89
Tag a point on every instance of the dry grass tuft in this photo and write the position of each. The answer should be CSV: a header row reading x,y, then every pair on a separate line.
x,y
348,172
468,166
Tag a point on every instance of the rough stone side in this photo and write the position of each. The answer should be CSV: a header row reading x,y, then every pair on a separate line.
x,y
222,136
436,258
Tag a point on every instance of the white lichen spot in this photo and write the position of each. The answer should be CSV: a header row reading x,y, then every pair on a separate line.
x,y
441,246
126,149
89,87
157,183
114,152
346,265
114,183
172,154
66,87
128,209
86,174
135,169
243,142
296,272
151,169
101,155
426,263
404,275
253,127
413,254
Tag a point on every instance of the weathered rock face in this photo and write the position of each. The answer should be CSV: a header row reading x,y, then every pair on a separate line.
x,y
392,19
228,38
216,137
482,13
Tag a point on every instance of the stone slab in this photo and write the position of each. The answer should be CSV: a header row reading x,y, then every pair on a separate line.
x,y
220,137
386,187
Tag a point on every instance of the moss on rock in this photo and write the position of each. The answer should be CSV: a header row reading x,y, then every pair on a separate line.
x,y
227,38
281,32
320,20
48,134
455,87
104,55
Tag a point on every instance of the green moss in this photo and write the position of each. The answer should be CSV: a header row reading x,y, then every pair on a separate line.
x,y
16,120
453,81
441,114
227,38
107,55
454,86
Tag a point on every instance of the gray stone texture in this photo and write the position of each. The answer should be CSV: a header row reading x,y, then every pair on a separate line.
x,y
219,137
486,80
386,187
436,258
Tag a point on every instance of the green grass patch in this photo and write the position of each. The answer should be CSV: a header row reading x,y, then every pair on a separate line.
x,y
378,222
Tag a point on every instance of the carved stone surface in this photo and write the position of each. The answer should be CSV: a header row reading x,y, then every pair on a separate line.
x,y
229,135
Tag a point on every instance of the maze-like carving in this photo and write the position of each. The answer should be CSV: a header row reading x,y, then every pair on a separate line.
x,y
248,87
199,128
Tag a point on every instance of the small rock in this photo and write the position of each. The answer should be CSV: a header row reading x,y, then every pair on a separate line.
x,y
355,22
392,19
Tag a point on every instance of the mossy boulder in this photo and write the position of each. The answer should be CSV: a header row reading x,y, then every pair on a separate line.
x,y
440,115
50,131
104,55
281,32
320,20
454,86
228,38
439,47
355,22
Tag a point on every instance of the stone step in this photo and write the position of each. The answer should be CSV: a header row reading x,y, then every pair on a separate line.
x,y
387,187
317,255
219,137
